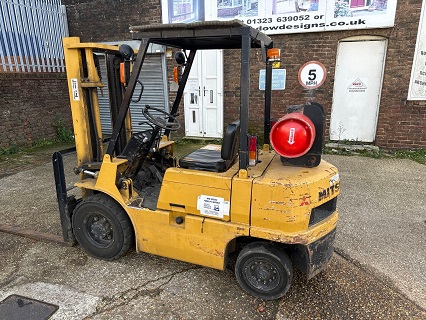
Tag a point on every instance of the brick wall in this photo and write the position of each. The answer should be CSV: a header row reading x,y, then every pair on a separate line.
x,y
401,123
30,105
109,20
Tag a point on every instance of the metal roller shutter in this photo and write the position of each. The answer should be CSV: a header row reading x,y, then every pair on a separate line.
x,y
153,77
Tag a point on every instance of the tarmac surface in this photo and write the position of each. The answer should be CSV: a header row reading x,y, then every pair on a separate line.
x,y
377,271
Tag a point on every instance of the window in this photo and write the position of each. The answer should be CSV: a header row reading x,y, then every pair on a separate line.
x,y
228,3
185,10
228,9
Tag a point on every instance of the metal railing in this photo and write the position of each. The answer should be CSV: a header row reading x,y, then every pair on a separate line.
x,y
31,33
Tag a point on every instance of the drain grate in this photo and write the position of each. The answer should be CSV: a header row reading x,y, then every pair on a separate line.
x,y
16,307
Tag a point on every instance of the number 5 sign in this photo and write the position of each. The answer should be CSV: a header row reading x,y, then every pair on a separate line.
x,y
312,74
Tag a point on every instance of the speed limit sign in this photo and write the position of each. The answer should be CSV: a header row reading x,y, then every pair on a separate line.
x,y
312,74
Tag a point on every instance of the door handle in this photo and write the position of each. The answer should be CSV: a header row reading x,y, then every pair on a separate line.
x,y
205,91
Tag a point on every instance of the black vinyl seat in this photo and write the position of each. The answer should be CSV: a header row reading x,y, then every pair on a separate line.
x,y
213,158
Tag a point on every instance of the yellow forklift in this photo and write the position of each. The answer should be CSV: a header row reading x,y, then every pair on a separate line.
x,y
277,208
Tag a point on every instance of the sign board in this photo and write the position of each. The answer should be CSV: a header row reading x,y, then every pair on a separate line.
x,y
289,16
278,79
312,75
213,206
417,88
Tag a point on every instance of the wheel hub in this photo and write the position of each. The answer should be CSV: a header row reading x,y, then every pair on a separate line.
x,y
262,273
100,229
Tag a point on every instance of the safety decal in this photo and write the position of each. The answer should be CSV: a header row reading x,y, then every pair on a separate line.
x,y
213,206
358,85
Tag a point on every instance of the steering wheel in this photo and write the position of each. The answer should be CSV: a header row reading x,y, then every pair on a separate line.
x,y
162,122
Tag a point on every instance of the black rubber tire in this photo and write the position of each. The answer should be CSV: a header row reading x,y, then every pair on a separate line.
x,y
264,271
102,227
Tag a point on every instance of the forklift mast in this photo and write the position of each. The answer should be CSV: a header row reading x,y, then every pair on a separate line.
x,y
83,72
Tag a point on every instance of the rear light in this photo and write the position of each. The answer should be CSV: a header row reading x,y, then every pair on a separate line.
x,y
293,135
298,136
252,150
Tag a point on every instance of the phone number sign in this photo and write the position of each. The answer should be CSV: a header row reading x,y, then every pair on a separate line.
x,y
312,75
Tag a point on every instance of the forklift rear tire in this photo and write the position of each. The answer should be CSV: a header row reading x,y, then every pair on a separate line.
x,y
264,271
102,227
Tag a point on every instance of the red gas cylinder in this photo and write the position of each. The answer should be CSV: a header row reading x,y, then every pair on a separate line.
x,y
293,135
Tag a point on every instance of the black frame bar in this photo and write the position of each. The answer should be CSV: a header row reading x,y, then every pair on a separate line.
x,y
244,101
268,100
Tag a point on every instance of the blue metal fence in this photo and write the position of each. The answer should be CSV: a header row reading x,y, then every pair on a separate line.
x,y
31,34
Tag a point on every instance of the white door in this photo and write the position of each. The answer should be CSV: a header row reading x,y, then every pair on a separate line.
x,y
203,98
357,88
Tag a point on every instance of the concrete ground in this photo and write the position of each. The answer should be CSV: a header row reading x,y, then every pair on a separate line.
x,y
377,272
383,220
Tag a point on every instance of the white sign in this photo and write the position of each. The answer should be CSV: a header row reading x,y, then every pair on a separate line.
x,y
192,86
289,16
74,89
213,206
312,75
417,88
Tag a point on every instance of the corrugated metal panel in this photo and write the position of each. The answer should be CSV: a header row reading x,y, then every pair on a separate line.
x,y
103,97
31,35
152,77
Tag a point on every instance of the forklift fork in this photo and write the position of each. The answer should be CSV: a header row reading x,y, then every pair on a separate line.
x,y
66,203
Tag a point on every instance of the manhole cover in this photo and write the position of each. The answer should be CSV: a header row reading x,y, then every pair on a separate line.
x,y
16,307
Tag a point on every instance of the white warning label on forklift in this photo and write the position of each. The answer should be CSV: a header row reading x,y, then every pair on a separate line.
x,y
334,179
74,89
213,206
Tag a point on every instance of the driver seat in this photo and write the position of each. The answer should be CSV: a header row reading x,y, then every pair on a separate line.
x,y
211,158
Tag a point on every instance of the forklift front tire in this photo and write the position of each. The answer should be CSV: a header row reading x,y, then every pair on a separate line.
x,y
264,271
102,227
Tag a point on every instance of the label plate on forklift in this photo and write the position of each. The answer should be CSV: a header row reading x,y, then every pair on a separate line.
x,y
74,87
213,206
